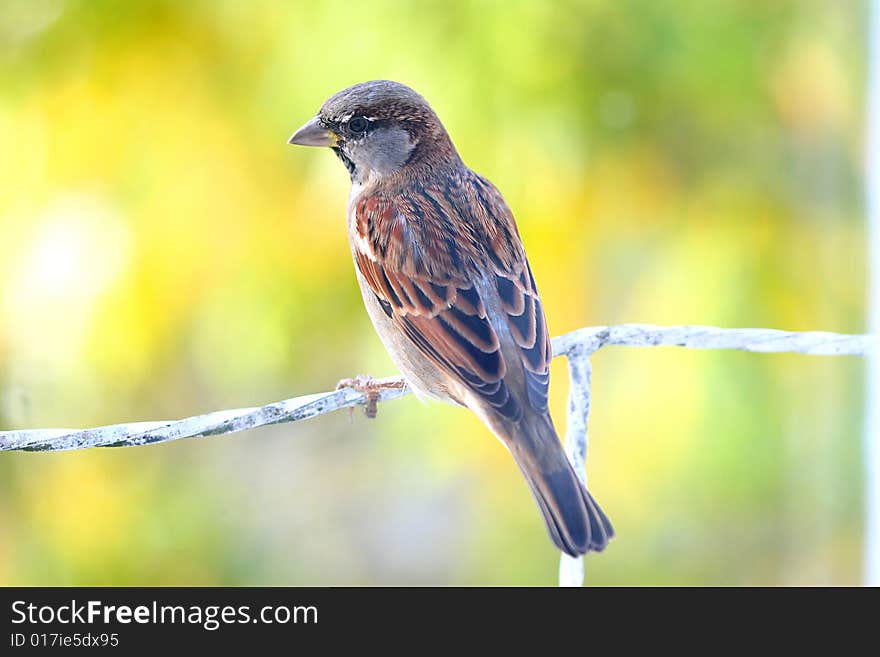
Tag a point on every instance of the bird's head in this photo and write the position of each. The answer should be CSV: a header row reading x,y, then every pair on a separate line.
x,y
377,129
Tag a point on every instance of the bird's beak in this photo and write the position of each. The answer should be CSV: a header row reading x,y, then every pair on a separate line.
x,y
313,134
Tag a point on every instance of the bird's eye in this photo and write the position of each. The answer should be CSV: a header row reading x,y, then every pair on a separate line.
x,y
357,124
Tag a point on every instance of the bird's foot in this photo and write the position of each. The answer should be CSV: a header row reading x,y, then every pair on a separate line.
x,y
371,388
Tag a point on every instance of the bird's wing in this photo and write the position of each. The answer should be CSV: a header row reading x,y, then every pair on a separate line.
x,y
431,254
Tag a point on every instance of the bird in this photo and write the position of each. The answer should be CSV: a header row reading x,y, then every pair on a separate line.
x,y
445,280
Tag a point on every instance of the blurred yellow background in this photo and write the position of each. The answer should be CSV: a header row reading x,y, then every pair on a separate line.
x,y
164,253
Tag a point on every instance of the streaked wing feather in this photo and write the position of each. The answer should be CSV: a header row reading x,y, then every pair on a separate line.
x,y
528,327
421,266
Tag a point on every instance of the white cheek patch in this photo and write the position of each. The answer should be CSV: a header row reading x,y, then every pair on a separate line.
x,y
387,149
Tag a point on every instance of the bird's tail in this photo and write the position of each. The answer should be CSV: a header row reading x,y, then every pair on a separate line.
x,y
575,522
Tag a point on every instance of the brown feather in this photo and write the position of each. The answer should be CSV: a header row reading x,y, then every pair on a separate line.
x,y
420,254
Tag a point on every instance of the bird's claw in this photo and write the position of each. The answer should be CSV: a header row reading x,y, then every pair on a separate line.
x,y
371,388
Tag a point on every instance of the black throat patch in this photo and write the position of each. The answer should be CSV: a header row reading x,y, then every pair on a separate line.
x,y
346,161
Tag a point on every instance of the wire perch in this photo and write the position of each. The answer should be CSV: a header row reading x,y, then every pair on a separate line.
x,y
577,346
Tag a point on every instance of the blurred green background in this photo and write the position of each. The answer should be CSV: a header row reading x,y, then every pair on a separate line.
x,y
163,253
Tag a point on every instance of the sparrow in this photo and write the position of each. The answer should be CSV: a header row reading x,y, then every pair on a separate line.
x,y
447,285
